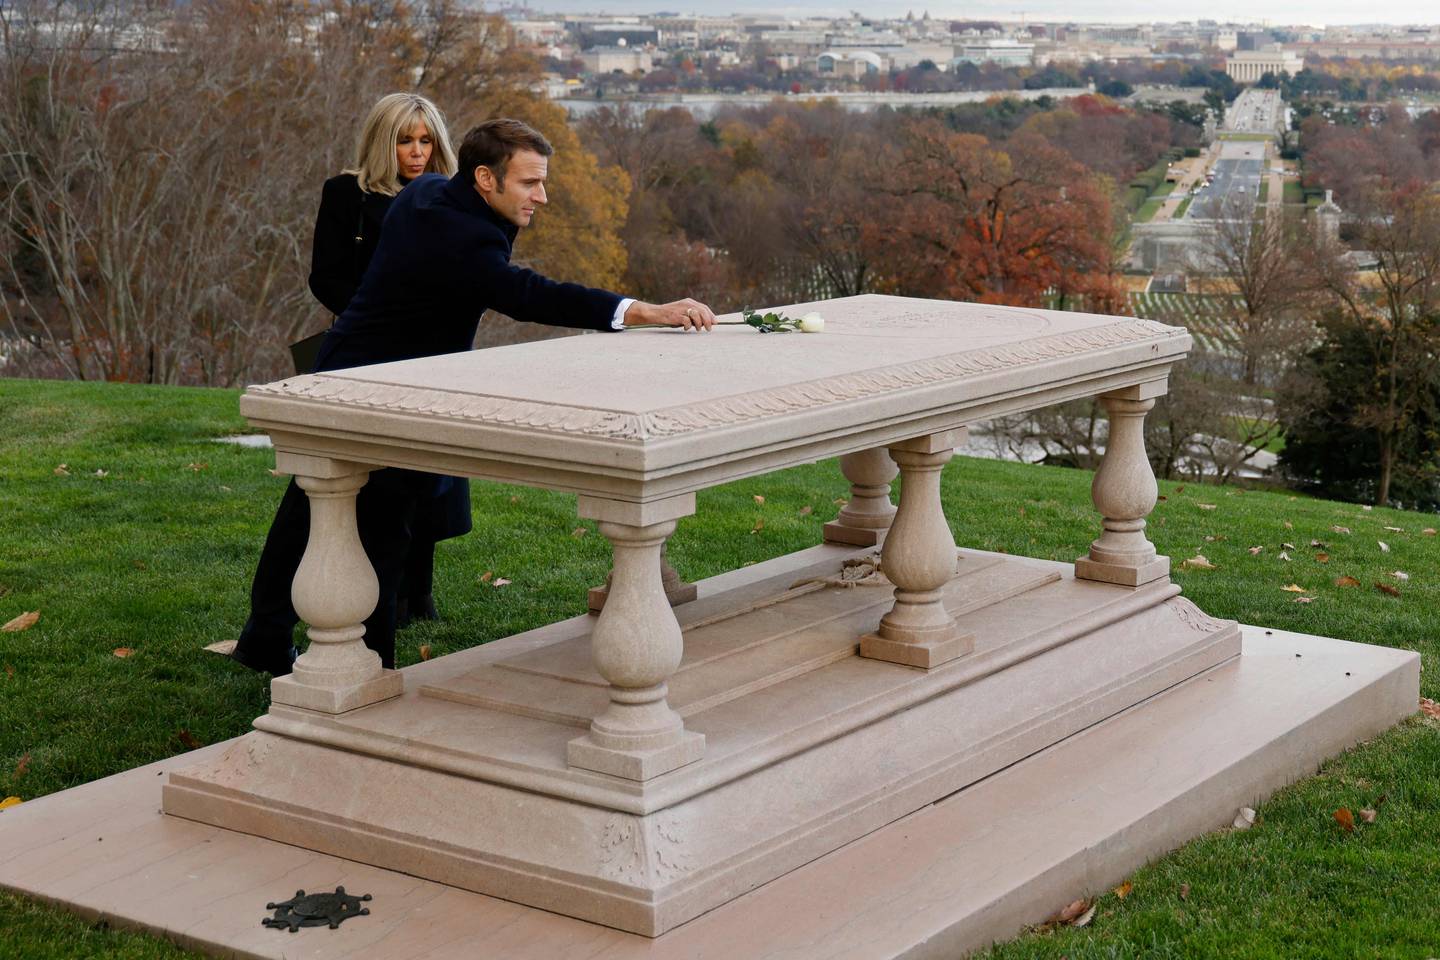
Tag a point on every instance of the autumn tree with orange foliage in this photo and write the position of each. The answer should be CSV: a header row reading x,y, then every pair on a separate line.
x,y
1007,224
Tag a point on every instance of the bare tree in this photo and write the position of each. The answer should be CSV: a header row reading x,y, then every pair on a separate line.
x,y
1394,310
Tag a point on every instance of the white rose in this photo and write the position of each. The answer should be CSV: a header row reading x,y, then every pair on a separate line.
x,y
812,323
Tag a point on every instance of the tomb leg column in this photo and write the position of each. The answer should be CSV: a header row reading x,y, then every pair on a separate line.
x,y
919,558
1124,492
334,590
864,520
637,645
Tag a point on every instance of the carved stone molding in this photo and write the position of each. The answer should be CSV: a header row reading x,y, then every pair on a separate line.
x,y
676,421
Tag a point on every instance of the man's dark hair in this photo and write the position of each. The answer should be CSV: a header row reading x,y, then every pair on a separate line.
x,y
494,142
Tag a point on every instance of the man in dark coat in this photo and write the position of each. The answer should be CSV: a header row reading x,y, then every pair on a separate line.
x,y
442,261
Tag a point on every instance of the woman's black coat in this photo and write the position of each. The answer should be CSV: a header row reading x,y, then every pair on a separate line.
x,y
347,230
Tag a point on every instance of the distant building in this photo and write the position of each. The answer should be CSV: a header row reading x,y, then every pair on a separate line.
x,y
1247,66
849,64
599,60
1007,53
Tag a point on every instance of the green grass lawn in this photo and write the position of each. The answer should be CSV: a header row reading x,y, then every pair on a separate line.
x,y
1179,213
147,537
1152,206
1294,192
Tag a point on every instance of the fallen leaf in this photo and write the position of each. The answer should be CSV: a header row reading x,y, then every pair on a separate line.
x,y
515,499
1367,815
225,488
1289,525
1255,551
222,647
1345,818
1124,889
424,651
1366,507
1206,506
1180,489
806,511
1430,708
123,652
1400,575
1304,599
23,622
840,501
197,467
1294,588
1428,531
759,525
188,739
1322,558
9,671
1022,511
22,766
1317,543
500,582
1346,582
1387,589
1084,918
1074,910
63,470
1396,529
1160,499
758,499
1287,546
485,577
1341,529
579,532
1244,819
1284,556
1184,891
10,802
102,474
1384,547
1198,562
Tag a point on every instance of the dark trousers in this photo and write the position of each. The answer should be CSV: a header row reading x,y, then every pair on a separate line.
x,y
385,511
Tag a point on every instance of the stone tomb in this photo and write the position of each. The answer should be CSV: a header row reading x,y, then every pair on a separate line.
x,y
651,764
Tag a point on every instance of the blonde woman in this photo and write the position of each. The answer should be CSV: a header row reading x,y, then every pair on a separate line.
x,y
403,137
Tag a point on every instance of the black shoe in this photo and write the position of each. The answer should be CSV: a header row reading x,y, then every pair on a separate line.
x,y
277,663
423,608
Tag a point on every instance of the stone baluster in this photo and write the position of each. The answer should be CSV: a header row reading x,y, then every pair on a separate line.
x,y
637,645
334,590
1124,492
919,558
864,520
677,591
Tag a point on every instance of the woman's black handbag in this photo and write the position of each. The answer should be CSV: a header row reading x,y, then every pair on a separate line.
x,y
306,352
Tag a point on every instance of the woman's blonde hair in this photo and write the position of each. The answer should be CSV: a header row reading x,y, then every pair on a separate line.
x,y
391,117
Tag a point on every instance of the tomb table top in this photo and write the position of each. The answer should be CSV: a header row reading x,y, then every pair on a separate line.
x,y
656,413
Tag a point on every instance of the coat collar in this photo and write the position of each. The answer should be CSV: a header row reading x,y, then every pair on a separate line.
x,y
463,191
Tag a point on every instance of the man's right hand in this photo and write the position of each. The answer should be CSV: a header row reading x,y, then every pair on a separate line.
x,y
687,314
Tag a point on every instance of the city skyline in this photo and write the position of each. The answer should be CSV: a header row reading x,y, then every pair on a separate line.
x,y
1298,12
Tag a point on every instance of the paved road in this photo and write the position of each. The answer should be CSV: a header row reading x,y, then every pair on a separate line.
x,y
1255,111
1237,179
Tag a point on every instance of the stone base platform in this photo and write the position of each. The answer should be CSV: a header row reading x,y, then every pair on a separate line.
x,y
808,746
975,867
